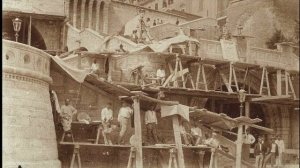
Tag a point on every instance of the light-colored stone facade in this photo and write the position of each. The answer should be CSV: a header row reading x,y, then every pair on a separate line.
x,y
29,136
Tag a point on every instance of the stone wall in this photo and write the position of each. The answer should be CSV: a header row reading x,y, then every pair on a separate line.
x,y
260,18
45,7
29,136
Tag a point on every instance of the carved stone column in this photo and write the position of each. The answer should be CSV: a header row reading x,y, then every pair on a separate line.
x,y
82,14
75,12
97,15
90,13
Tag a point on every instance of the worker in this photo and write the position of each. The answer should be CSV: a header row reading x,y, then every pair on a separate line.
x,y
94,68
281,148
258,153
106,118
151,125
124,115
248,139
185,131
196,133
66,113
161,74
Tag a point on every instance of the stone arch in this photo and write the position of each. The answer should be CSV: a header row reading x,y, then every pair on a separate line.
x,y
86,14
78,14
101,15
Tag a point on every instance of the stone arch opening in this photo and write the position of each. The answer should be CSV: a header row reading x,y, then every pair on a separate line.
x,y
86,14
101,13
94,11
71,12
78,14
37,39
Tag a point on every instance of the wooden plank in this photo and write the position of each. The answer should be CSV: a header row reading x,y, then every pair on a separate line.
x,y
138,132
225,81
182,76
146,98
278,83
268,84
268,98
247,111
198,76
286,83
179,74
29,31
95,145
238,161
292,88
204,77
262,81
178,142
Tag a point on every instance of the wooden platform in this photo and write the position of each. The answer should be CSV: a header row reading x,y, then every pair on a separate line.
x,y
94,145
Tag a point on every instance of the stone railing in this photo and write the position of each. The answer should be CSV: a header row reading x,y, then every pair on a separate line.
x,y
212,49
25,60
86,38
198,23
267,57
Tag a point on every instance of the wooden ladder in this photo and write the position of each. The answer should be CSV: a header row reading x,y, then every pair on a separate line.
x,y
201,77
264,78
76,153
131,159
289,89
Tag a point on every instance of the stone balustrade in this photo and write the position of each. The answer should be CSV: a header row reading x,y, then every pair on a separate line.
x,y
264,57
29,138
26,60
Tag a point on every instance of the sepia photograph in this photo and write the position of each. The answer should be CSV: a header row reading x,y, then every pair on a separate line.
x,y
150,83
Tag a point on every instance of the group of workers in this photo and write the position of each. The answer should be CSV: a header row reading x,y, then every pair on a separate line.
x,y
266,151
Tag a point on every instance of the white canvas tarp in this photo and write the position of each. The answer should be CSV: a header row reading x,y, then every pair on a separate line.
x,y
179,109
77,74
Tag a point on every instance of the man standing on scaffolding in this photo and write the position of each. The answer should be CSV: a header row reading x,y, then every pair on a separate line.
x,y
106,118
66,114
124,120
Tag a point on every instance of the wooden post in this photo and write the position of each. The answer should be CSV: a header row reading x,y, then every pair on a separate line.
x,y
138,132
247,111
178,142
238,161
182,77
175,84
286,82
262,81
278,79
29,31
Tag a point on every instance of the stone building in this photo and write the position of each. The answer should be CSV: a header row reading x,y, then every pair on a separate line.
x,y
93,30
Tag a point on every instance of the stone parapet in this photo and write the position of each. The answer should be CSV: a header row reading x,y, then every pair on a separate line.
x,y
29,137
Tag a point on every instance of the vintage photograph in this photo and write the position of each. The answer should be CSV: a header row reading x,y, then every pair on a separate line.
x,y
150,83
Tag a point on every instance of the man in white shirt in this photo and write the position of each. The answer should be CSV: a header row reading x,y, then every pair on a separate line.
x,y
281,149
196,133
106,118
124,120
94,68
274,152
151,126
248,139
161,74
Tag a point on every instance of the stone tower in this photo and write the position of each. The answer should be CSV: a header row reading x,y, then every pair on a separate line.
x,y
29,137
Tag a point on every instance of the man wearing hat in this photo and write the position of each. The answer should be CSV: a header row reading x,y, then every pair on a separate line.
x,y
281,148
274,151
258,153
125,113
248,139
67,112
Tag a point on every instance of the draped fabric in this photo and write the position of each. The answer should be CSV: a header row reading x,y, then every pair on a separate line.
x,y
57,107
77,74
179,109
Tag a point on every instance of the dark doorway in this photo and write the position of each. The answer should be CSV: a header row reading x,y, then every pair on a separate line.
x,y
37,40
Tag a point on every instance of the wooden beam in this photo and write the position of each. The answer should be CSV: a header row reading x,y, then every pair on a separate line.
x,y
178,142
278,83
147,98
247,111
238,161
138,132
268,98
